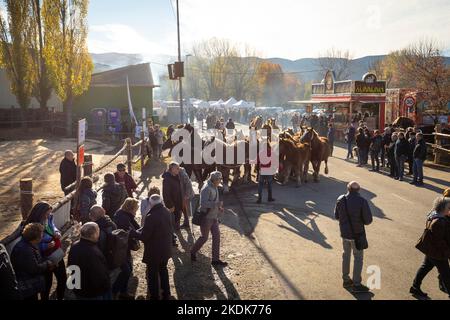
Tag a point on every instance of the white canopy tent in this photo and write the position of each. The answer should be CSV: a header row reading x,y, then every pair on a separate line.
x,y
230,103
217,104
201,104
242,104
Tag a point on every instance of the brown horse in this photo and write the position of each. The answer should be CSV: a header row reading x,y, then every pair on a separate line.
x,y
293,157
256,123
320,151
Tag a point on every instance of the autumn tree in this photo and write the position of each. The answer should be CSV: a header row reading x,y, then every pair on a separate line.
x,y
42,88
337,60
15,55
66,54
423,65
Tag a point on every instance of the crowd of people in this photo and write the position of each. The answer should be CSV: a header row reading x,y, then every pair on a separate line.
x,y
391,148
109,234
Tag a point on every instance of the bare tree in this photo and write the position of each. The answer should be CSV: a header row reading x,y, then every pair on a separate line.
x,y
337,60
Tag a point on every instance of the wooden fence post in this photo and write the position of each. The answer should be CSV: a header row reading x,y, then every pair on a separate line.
x,y
26,196
129,156
143,149
437,141
88,164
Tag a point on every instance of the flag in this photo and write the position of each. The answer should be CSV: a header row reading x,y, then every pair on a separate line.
x,y
130,105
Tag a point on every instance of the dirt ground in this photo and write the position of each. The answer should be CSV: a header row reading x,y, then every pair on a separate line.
x,y
38,159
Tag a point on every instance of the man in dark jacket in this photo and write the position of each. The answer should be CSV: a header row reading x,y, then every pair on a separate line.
x,y
361,144
157,237
114,195
331,135
106,226
230,125
68,171
375,149
386,141
9,289
411,136
419,156
350,138
94,272
172,193
401,154
353,213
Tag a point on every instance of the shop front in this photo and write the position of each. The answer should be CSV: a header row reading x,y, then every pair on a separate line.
x,y
350,101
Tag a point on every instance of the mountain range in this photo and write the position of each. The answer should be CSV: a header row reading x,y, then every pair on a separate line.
x,y
306,69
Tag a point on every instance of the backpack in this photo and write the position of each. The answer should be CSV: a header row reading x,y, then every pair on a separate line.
x,y
9,288
117,248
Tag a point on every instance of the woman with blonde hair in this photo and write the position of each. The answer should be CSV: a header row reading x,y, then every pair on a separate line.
x,y
125,220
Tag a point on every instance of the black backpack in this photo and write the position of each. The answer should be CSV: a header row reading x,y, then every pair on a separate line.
x,y
8,289
117,248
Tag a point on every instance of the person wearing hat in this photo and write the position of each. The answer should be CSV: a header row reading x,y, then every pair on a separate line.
x,y
353,213
212,209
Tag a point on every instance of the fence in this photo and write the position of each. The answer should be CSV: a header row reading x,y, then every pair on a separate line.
x,y
441,146
62,209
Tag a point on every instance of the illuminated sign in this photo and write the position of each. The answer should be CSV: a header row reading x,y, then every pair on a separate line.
x,y
371,88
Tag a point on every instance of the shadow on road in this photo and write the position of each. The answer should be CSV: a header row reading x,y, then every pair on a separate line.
x,y
195,280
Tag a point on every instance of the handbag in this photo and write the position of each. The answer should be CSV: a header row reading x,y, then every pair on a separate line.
x,y
425,243
198,216
360,238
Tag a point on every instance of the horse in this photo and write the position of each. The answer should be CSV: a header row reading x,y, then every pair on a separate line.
x,y
256,123
320,151
293,157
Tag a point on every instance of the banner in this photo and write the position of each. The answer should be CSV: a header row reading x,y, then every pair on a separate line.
x,y
130,106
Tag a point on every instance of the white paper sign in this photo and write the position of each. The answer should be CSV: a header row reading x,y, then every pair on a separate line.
x,y
81,131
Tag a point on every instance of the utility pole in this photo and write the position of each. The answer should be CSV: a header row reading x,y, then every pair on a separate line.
x,y
179,60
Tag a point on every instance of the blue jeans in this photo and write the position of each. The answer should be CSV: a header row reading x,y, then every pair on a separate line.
x,y
418,170
349,150
262,180
401,165
121,284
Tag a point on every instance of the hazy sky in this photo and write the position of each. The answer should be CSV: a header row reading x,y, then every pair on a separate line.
x,y
275,28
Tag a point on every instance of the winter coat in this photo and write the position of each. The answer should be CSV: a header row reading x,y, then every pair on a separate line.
x,y
186,185
113,197
331,135
209,200
159,135
172,192
88,199
125,221
376,144
360,140
420,150
401,148
94,270
68,171
29,267
106,226
440,230
359,211
128,182
157,235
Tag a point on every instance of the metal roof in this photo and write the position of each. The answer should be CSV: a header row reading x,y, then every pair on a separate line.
x,y
139,75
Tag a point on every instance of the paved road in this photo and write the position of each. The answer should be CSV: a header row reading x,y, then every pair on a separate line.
x,y
299,236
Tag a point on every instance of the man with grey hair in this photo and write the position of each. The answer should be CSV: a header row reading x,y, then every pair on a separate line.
x,y
106,227
353,213
211,208
93,269
157,238
68,171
